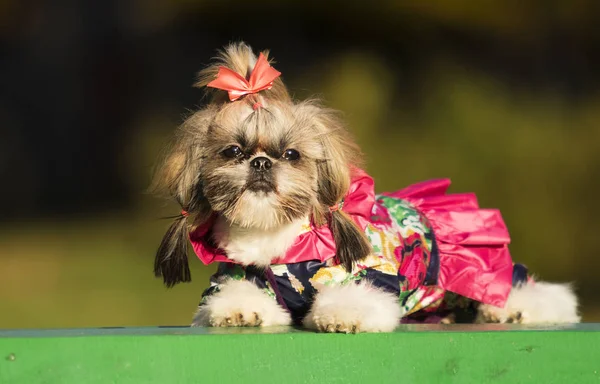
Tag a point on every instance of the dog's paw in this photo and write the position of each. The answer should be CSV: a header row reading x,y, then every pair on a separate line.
x,y
240,303
534,303
491,314
450,319
353,308
335,323
236,319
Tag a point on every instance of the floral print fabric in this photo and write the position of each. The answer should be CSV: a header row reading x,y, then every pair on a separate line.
x,y
404,261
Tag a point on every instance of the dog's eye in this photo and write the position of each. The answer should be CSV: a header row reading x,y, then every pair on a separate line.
x,y
232,152
291,154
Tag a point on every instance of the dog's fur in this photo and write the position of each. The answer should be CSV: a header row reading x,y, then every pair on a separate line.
x,y
260,212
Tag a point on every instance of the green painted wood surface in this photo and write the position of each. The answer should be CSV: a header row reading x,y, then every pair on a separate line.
x,y
413,354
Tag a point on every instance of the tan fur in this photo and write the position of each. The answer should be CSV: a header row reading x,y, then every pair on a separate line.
x,y
178,171
341,153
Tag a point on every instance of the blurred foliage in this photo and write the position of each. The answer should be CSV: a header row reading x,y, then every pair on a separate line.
x,y
531,151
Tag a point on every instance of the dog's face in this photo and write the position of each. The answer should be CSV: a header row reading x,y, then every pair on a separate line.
x,y
259,162
260,167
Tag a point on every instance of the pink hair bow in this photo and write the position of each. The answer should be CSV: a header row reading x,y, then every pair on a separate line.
x,y
261,78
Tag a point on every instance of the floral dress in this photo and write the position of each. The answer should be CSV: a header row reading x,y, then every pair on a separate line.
x,y
439,253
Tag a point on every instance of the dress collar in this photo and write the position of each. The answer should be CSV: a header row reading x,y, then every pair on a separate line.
x,y
314,243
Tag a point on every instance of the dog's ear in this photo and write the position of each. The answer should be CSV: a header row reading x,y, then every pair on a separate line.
x,y
340,156
178,178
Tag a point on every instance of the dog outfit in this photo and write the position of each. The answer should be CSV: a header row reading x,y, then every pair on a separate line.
x,y
436,251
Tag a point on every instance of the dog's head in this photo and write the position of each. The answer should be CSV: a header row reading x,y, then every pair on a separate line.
x,y
260,161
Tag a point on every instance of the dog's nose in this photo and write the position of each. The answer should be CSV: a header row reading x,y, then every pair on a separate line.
x,y
261,164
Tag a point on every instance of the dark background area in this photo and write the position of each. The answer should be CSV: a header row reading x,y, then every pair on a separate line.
x,y
502,97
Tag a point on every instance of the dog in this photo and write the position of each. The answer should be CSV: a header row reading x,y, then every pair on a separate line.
x,y
272,189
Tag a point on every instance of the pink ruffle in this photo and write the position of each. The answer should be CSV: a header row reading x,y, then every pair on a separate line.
x,y
473,243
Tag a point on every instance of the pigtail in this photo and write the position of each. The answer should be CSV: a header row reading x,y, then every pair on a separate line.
x,y
340,156
177,178
350,242
171,261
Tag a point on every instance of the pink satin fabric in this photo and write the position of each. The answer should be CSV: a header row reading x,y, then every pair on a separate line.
x,y
473,242
261,78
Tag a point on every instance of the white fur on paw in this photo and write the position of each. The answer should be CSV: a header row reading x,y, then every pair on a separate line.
x,y
240,303
534,303
353,308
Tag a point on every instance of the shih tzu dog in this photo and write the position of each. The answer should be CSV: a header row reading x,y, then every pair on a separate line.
x,y
273,191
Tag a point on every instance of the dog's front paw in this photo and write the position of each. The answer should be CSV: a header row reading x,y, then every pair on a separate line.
x,y
534,303
353,308
240,303
235,319
332,322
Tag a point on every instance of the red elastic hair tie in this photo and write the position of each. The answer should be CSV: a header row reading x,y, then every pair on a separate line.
x,y
257,105
184,213
334,208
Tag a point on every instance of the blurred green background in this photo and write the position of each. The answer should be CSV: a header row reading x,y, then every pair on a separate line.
x,y
501,96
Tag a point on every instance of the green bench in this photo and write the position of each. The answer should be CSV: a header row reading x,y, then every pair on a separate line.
x,y
413,354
